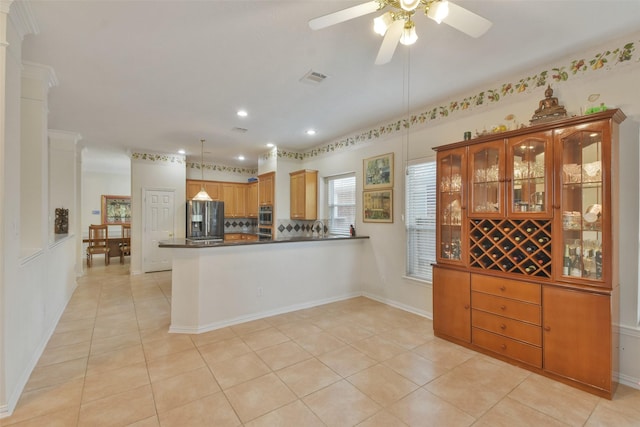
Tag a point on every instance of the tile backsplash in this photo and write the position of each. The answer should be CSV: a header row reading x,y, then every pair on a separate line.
x,y
241,225
295,228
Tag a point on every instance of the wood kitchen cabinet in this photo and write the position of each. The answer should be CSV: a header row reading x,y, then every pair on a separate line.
x,y
240,199
266,189
577,336
235,237
252,200
211,187
235,200
526,254
304,195
452,304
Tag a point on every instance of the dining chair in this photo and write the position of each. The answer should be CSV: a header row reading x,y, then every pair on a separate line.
x,y
125,245
98,243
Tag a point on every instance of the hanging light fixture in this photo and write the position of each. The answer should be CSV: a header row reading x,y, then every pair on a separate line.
x,y
409,5
381,23
409,35
438,10
202,194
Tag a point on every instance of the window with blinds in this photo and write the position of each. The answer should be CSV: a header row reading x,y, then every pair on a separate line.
x,y
420,219
342,203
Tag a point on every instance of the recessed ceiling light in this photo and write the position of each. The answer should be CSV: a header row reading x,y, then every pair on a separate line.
x,y
311,132
181,151
270,144
242,113
240,157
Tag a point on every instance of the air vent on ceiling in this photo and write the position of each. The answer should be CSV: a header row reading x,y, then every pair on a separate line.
x,y
313,77
240,130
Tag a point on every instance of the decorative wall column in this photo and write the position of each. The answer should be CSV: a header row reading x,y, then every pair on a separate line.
x,y
4,13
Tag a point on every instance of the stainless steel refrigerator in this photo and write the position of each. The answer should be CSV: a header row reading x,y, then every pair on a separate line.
x,y
205,220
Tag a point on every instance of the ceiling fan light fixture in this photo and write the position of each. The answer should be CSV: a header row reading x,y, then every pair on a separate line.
x,y
438,10
409,5
409,35
381,23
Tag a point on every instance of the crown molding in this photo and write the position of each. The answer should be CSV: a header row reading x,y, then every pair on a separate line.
x,y
5,5
44,73
63,139
21,16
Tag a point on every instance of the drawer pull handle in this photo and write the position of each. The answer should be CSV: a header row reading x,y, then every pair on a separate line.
x,y
503,326
503,307
503,288
503,346
466,306
547,328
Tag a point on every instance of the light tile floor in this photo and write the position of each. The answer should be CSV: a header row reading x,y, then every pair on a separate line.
x,y
111,362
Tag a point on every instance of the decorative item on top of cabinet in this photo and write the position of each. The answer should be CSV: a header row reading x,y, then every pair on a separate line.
x,y
266,189
304,194
540,208
548,109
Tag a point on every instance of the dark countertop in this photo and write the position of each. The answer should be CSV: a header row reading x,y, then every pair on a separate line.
x,y
184,243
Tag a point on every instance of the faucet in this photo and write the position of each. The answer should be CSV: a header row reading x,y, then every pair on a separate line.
x,y
321,231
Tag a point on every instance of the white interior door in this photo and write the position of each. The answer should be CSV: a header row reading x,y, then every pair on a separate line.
x,y
159,224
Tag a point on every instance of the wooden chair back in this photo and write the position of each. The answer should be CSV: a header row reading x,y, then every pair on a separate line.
x,y
98,243
125,245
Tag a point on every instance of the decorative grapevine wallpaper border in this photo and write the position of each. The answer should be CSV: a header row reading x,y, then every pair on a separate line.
x,y
600,61
597,62
223,168
180,160
159,158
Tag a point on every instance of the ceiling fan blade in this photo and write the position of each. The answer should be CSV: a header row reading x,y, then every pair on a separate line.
x,y
391,39
343,15
466,21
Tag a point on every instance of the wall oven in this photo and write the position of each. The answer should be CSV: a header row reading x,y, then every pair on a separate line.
x,y
265,215
264,233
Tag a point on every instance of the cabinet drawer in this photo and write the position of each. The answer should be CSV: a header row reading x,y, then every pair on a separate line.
x,y
508,327
506,307
529,292
507,347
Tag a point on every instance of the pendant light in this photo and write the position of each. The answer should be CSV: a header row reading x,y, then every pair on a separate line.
x,y
202,194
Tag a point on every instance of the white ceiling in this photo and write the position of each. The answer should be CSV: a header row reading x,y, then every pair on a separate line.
x,y
159,75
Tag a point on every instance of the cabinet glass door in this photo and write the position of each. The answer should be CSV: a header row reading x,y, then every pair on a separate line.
x,y
582,205
529,164
487,178
451,205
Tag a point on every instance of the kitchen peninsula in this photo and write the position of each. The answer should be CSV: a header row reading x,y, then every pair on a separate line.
x,y
217,284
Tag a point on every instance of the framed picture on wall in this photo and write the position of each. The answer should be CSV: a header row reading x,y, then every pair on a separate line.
x,y
377,206
378,172
116,209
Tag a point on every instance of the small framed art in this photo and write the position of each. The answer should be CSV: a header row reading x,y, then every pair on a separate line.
x,y
116,209
378,172
377,206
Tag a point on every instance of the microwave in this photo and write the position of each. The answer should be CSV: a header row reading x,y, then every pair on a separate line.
x,y
265,215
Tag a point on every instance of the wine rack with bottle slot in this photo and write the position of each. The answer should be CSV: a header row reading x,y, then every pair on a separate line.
x,y
511,246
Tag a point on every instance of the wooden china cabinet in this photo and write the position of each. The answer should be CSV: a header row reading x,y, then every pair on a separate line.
x,y
526,262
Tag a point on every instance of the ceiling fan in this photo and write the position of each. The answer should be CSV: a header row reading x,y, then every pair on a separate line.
x,y
396,24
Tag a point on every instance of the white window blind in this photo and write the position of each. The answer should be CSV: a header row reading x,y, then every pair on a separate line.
x,y
342,203
421,219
